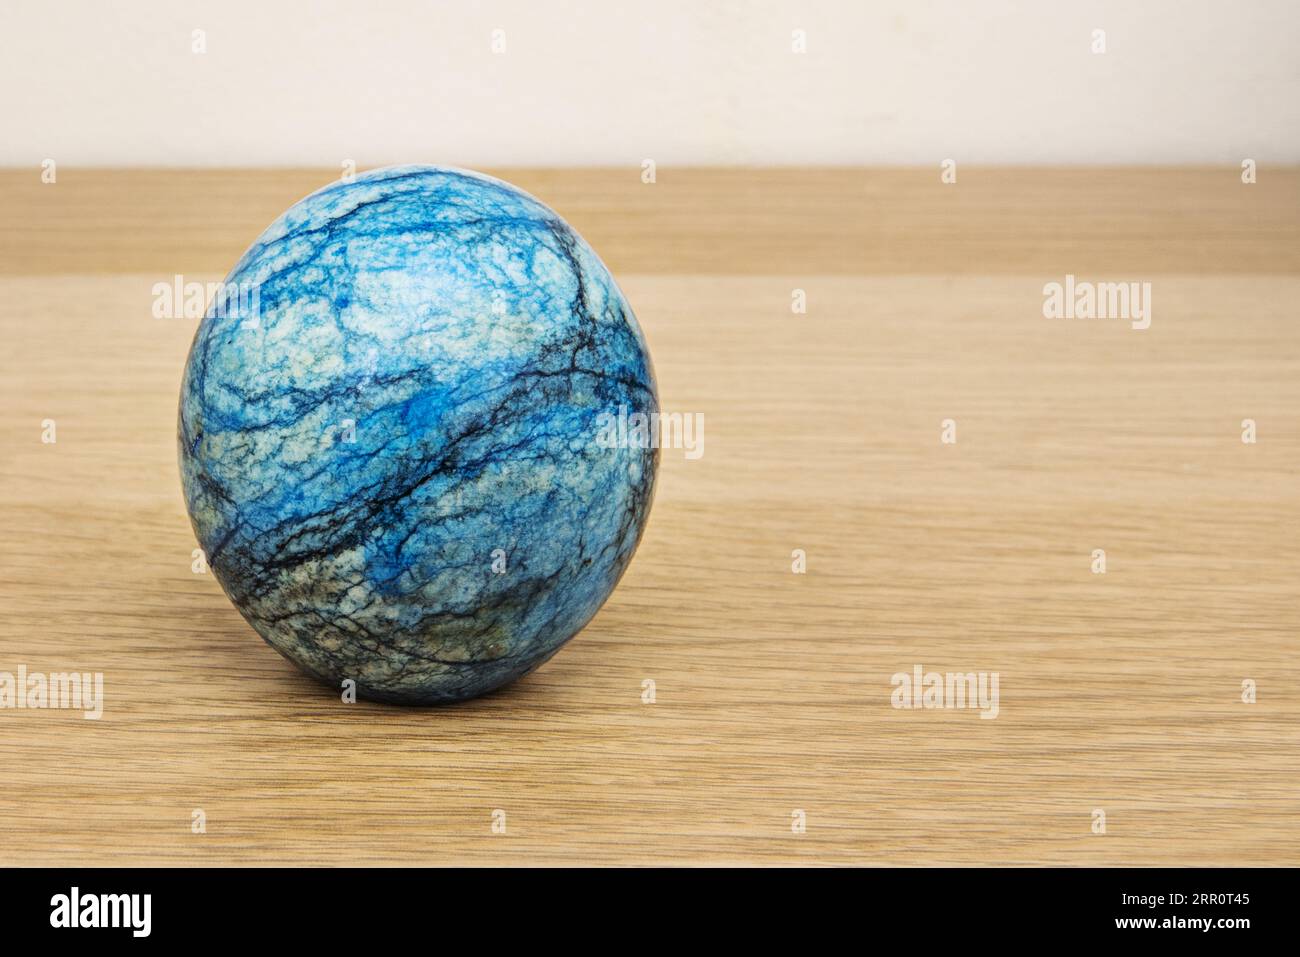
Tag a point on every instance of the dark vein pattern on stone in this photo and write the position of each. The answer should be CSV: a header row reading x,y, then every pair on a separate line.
x,y
418,393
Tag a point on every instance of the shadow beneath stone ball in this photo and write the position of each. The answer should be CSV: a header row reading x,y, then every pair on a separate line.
x,y
299,682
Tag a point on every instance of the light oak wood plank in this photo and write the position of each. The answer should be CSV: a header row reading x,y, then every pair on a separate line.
x,y
1119,692
700,221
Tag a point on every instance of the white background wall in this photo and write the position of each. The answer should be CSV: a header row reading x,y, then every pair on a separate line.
x,y
584,82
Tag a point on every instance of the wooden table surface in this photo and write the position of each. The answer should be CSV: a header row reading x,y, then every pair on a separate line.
x,y
1119,692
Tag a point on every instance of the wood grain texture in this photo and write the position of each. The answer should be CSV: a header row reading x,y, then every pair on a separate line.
x,y
1119,691
709,221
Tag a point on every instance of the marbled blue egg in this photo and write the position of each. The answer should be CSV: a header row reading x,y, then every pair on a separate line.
x,y
389,434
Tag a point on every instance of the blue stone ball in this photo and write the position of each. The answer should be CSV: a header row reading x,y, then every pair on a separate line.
x,y
389,434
